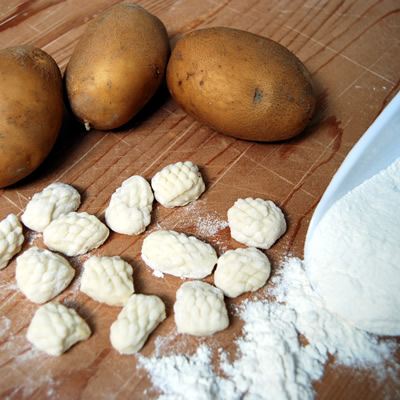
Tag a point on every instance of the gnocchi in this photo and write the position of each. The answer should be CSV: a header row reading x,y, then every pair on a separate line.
x,y
11,239
138,318
256,222
200,309
107,280
178,184
55,328
41,275
54,200
241,270
177,254
129,211
75,233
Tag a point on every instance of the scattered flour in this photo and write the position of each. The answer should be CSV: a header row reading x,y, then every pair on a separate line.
x,y
9,286
31,236
210,224
189,377
158,274
206,225
5,324
272,362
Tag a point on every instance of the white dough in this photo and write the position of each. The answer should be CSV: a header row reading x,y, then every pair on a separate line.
x,y
54,200
129,211
138,318
55,328
178,184
11,239
107,279
353,257
177,254
75,233
41,275
241,270
256,222
200,309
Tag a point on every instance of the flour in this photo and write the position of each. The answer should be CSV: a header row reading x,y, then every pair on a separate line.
x,y
207,226
32,236
157,274
189,377
5,324
353,258
210,224
271,361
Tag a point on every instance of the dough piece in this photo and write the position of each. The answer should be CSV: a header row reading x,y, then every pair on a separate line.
x,y
200,309
129,211
11,239
256,222
75,233
178,184
107,280
54,200
139,317
41,275
176,254
55,328
241,270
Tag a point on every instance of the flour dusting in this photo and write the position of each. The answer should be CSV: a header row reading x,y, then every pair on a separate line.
x,y
158,274
32,236
207,226
5,324
210,224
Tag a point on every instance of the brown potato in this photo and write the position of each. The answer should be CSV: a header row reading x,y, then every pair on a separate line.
x,y
31,110
241,84
117,66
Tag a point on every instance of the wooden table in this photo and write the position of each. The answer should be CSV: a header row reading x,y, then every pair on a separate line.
x,y
352,48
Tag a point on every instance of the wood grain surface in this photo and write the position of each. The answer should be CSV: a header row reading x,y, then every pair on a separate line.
x,y
352,49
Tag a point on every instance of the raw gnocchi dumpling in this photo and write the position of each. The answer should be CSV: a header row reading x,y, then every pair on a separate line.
x,y
137,319
55,328
53,201
178,184
75,233
41,275
107,280
241,270
177,254
129,211
256,222
200,309
11,239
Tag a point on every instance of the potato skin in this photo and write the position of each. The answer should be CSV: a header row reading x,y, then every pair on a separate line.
x,y
31,110
117,66
241,84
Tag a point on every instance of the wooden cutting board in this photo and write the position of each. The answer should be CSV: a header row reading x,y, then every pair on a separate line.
x,y
352,48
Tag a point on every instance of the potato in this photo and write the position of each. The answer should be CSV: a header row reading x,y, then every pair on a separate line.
x,y
117,66
241,84
31,110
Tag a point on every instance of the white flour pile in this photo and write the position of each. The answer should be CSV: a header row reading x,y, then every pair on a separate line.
x,y
353,257
272,362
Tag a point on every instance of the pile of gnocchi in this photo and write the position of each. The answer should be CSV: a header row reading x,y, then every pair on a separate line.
x,y
199,309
